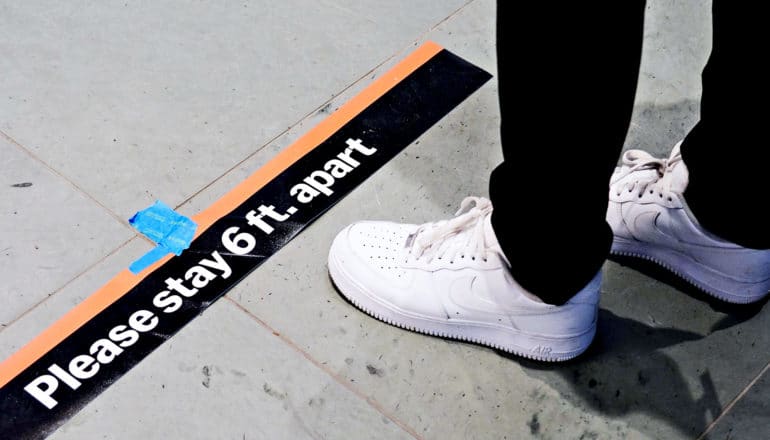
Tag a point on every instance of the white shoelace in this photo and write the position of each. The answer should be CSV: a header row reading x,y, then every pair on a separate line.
x,y
638,161
461,236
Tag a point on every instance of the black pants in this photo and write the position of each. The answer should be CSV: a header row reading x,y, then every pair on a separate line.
x,y
567,74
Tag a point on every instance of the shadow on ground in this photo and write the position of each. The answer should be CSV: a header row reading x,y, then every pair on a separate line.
x,y
734,313
624,371
627,371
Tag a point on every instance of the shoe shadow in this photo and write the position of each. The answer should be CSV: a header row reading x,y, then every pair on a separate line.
x,y
735,313
624,372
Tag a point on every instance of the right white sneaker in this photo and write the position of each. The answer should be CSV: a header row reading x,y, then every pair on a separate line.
x,y
451,279
650,220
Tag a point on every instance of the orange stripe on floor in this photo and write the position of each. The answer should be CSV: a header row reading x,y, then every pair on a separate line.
x,y
125,280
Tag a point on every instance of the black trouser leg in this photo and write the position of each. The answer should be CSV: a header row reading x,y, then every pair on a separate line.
x,y
567,75
726,153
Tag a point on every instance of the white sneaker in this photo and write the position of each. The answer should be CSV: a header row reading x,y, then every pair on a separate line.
x,y
650,220
451,279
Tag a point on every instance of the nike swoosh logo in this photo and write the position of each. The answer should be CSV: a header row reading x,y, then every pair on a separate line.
x,y
647,228
464,293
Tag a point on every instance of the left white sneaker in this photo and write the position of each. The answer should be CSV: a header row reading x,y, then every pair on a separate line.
x,y
451,279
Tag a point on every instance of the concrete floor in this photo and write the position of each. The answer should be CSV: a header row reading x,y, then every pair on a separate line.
x,y
107,106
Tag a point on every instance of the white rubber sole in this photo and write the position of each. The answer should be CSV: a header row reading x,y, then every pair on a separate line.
x,y
536,347
710,281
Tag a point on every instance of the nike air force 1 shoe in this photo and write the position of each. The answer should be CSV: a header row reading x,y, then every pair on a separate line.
x,y
650,220
451,279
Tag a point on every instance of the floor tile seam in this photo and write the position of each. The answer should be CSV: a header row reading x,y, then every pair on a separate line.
x,y
64,177
277,137
67,283
733,402
249,156
321,366
448,17
399,53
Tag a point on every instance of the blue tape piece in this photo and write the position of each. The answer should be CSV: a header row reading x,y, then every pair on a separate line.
x,y
172,232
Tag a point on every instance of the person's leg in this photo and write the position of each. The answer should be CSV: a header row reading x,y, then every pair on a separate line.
x,y
452,278
567,76
698,212
727,152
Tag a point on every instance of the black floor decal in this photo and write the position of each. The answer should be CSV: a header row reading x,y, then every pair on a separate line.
x,y
58,382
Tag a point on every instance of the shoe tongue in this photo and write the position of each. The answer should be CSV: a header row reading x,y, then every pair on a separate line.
x,y
490,238
676,151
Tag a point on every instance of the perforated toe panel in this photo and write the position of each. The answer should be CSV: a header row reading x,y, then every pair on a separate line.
x,y
381,245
